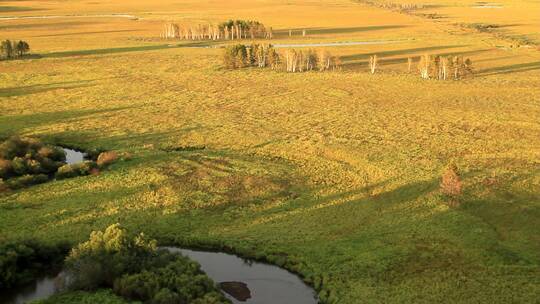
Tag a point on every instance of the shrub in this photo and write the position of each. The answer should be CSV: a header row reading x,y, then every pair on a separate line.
x,y
106,158
26,180
451,185
23,156
5,168
74,170
235,56
21,262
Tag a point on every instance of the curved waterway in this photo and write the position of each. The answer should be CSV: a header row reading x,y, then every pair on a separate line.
x,y
241,280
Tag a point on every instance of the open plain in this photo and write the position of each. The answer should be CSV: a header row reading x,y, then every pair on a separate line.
x,y
334,176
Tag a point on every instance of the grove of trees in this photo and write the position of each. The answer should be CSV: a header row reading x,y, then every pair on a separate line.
x,y
291,60
13,49
445,67
229,30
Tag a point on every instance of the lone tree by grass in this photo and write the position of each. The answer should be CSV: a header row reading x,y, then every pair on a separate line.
x,y
451,185
6,49
424,65
21,48
373,63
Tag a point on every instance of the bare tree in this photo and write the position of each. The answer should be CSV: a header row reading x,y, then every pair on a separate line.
x,y
409,64
424,65
373,63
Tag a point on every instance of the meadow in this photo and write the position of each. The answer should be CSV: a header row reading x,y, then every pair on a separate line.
x,y
332,175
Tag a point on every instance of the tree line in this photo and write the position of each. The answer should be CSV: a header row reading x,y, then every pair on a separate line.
x,y
229,30
13,49
435,67
291,60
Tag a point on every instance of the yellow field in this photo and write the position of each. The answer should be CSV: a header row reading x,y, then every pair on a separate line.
x,y
337,171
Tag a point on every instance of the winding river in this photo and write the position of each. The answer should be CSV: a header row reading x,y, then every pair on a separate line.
x,y
241,280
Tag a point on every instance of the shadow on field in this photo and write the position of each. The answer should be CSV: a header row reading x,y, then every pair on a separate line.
x,y
85,33
49,25
329,31
11,124
508,69
11,9
130,49
352,62
39,88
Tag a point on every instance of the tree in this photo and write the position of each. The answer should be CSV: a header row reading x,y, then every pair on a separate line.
x,y
443,74
409,64
373,63
6,49
21,48
424,66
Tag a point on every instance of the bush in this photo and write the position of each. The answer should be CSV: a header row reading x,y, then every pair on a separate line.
x,y
74,170
235,56
24,156
26,180
451,185
20,263
106,158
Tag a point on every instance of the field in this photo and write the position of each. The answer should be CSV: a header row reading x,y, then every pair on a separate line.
x,y
334,175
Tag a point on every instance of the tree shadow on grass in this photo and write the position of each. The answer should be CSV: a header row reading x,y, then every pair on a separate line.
x,y
39,88
13,124
130,49
332,31
364,62
362,56
12,9
508,69
56,25
86,33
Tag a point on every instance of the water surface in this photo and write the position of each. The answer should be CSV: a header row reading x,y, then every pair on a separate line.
x,y
267,284
74,156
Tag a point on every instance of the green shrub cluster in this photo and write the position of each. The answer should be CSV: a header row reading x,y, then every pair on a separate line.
x,y
20,263
74,170
137,270
27,161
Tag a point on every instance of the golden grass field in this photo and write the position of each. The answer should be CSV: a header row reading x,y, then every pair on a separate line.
x,y
337,171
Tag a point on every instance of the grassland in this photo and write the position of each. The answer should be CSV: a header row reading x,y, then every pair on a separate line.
x,y
334,174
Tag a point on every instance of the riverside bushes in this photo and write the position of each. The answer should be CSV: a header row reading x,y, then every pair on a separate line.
x,y
27,161
137,270
21,262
